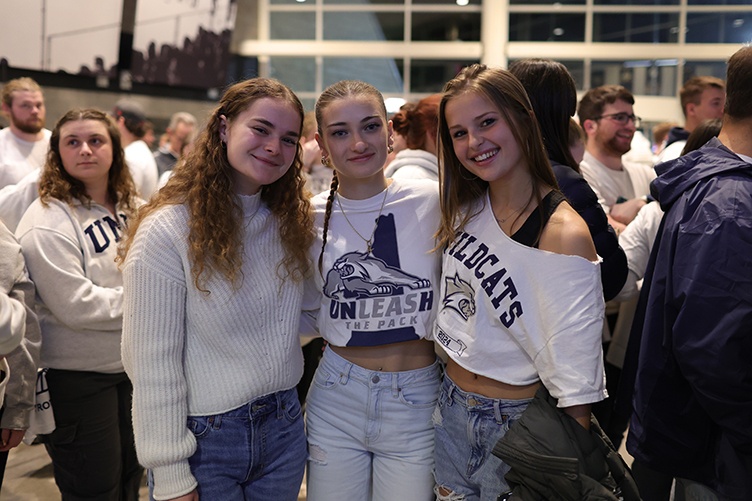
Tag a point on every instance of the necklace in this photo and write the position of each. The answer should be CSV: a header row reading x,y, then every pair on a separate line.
x,y
368,241
505,219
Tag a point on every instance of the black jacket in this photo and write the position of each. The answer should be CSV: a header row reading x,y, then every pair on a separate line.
x,y
553,457
583,199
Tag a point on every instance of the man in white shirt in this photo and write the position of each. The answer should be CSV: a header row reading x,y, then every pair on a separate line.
x,y
131,121
23,145
607,116
702,98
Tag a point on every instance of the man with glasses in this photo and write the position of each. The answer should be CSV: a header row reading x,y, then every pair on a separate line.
x,y
607,116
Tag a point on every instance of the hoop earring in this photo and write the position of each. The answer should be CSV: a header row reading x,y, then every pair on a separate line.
x,y
390,149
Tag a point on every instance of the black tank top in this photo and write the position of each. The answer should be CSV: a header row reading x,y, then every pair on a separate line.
x,y
529,233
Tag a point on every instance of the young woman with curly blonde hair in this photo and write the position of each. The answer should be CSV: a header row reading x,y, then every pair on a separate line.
x,y
213,286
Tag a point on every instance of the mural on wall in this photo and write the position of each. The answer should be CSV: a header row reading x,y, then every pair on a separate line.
x,y
175,42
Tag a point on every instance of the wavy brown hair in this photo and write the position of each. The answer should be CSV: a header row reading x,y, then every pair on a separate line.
x,y
56,183
414,121
460,188
203,182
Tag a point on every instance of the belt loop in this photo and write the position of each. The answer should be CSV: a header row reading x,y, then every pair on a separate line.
x,y
449,392
497,411
344,376
395,384
280,404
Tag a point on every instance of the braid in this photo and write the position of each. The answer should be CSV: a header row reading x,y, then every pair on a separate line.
x,y
327,215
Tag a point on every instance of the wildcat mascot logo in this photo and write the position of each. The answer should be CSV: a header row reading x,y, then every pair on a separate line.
x,y
459,296
360,275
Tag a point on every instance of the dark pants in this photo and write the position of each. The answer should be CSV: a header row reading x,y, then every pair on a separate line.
x,y
92,448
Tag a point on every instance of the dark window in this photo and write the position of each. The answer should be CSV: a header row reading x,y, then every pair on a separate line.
x,y
546,27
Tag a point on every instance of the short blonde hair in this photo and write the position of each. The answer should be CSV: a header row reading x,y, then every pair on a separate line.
x,y
17,84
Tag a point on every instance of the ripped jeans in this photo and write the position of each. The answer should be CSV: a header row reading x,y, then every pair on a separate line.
x,y
467,427
370,435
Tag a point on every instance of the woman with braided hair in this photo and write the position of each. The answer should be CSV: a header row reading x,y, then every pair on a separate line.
x,y
373,294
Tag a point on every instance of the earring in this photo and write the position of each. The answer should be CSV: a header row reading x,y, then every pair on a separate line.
x,y
390,149
325,160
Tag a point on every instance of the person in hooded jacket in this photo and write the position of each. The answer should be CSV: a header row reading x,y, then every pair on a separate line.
x,y
693,385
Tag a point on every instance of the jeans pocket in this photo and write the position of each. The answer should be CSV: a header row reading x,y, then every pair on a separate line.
x,y
200,425
291,408
324,379
420,396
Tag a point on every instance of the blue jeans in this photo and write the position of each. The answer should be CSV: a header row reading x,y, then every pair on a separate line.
x,y
370,434
467,427
256,451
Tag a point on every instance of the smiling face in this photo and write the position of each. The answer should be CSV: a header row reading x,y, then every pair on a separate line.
x,y
611,136
482,140
262,143
355,136
86,152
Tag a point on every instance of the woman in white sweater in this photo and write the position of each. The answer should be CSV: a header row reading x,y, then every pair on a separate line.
x,y
69,238
213,287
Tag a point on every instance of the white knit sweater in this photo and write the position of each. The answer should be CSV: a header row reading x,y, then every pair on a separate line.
x,y
192,353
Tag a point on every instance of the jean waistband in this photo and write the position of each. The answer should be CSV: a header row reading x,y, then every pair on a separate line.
x,y
454,394
271,403
336,364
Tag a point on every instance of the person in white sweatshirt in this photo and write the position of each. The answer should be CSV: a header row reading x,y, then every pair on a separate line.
x,y
69,238
417,123
213,275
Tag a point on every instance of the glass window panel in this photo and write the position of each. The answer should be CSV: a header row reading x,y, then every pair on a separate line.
x,y
385,74
445,2
374,26
730,27
718,2
298,73
646,77
636,2
361,2
446,27
704,68
546,27
547,2
430,75
576,69
293,2
636,28
292,25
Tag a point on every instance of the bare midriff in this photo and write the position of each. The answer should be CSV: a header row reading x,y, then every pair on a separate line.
x,y
395,357
482,385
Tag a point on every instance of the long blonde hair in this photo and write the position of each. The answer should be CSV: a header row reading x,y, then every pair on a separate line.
x,y
204,183
460,188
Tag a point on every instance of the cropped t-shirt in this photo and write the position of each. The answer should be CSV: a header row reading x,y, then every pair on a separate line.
x,y
390,294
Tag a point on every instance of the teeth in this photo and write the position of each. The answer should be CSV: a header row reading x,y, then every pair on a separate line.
x,y
484,156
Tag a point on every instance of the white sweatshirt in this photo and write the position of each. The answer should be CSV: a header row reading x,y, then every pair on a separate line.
x,y
70,252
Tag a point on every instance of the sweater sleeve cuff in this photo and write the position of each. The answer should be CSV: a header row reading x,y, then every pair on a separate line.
x,y
173,480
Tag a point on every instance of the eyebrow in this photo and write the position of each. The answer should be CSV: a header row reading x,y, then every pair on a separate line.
x,y
266,122
475,119
364,120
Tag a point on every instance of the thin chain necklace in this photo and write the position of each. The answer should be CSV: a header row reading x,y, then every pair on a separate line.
x,y
505,219
368,241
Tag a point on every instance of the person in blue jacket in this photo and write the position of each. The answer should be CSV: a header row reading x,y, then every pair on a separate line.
x,y
692,399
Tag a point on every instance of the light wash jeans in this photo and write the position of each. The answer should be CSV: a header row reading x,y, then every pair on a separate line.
x,y
370,435
468,426
256,451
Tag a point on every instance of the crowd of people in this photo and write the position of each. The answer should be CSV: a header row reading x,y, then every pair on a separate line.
x,y
499,293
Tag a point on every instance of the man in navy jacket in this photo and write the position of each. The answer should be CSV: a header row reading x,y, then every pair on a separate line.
x,y
692,403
